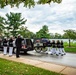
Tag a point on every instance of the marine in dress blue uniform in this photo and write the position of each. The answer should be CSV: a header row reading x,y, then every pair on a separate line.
x,y
5,44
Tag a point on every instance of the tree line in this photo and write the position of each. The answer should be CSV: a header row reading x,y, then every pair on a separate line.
x,y
14,24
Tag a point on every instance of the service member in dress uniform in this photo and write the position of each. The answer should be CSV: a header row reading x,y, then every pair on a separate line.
x,y
18,44
48,46
0,44
62,48
10,42
14,46
5,44
53,50
58,47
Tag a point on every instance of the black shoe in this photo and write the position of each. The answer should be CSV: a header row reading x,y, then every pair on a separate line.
x,y
64,53
17,57
61,54
57,55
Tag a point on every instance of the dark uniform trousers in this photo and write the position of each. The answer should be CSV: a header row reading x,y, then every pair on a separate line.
x,y
18,43
18,51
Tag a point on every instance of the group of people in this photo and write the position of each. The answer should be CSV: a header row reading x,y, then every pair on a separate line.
x,y
10,44
55,47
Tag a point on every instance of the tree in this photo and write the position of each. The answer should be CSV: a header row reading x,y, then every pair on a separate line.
x,y
70,34
27,3
2,23
43,33
52,35
13,23
57,36
26,33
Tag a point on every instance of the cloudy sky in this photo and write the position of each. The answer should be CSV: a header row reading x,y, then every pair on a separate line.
x,y
57,17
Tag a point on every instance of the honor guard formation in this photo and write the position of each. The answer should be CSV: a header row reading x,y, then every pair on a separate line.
x,y
56,47
49,47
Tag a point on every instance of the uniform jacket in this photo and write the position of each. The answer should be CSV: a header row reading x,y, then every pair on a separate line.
x,y
58,45
5,42
10,42
18,42
62,46
49,44
53,44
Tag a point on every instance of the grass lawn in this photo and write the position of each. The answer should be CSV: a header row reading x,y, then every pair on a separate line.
x,y
71,49
14,68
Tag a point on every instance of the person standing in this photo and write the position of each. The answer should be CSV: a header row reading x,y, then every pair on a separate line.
x,y
5,44
48,46
62,48
10,42
18,44
58,48
0,44
14,46
53,50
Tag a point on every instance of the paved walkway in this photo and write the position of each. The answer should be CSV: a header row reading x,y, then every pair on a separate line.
x,y
48,66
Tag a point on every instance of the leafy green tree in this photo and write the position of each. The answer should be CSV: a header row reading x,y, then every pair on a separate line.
x,y
70,34
26,33
52,36
2,23
48,1
27,3
30,35
43,33
13,23
57,36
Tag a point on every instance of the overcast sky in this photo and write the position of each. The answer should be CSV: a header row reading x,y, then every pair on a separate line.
x,y
57,17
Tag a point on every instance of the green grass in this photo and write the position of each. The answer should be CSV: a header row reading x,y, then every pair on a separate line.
x,y
72,44
14,68
71,49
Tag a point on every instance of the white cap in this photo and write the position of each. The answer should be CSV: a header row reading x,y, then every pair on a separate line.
x,y
19,35
5,37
